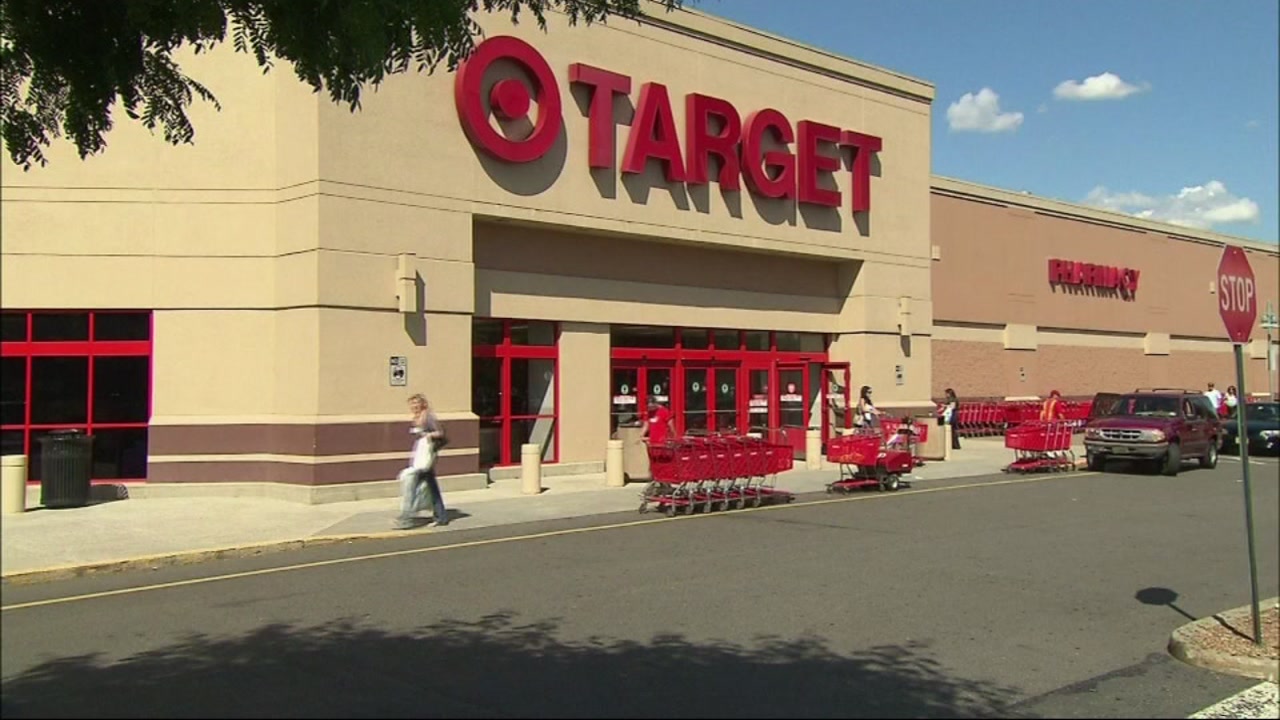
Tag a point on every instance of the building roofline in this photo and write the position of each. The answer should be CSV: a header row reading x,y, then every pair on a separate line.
x,y
966,188
744,38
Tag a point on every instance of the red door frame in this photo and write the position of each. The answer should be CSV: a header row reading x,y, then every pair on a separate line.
x,y
738,356
90,348
792,435
506,351
846,369
709,371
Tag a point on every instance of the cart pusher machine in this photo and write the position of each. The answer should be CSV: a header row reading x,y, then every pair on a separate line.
x,y
867,461
715,472
1041,446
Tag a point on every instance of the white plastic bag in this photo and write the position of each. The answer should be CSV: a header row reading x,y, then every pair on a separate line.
x,y
424,454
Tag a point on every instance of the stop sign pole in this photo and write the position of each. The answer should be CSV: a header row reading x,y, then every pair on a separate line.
x,y
1238,306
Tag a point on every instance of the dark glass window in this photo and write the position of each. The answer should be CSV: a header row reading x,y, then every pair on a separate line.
x,y
693,339
491,441
533,332
726,339
757,339
788,341
813,342
533,387
486,332
59,390
120,389
60,326
11,442
120,453
486,386
121,326
642,336
539,431
13,395
800,342
13,327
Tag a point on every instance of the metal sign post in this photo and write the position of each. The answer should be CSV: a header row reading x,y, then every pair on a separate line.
x,y
1242,439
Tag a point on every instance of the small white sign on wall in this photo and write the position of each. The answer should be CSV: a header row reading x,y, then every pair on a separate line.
x,y
399,371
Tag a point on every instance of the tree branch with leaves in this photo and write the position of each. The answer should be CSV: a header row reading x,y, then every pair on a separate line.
x,y
66,65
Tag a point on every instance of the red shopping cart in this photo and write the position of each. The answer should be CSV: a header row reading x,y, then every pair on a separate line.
x,y
865,462
715,472
1040,446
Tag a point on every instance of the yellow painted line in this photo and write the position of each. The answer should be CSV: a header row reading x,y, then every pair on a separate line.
x,y
532,536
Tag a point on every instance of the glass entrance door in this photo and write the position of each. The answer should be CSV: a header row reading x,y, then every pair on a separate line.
x,y
793,412
837,415
710,400
632,386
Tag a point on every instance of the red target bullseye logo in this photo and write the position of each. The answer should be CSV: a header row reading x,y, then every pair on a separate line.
x,y
509,99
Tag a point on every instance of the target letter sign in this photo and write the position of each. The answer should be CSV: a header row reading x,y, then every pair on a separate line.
x,y
1237,294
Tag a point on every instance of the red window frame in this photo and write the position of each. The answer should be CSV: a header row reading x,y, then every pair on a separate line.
x,y
92,348
738,356
506,351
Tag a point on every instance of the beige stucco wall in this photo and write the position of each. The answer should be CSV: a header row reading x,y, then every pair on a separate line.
x,y
270,250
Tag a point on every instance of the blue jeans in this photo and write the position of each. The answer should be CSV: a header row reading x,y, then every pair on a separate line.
x,y
415,486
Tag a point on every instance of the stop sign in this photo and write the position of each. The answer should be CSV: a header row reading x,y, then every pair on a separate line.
x,y
1237,294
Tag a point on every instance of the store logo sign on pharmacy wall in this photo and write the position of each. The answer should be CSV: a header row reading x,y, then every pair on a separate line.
x,y
753,149
1105,277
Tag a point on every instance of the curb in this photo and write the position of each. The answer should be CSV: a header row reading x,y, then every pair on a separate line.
x,y
188,557
1183,647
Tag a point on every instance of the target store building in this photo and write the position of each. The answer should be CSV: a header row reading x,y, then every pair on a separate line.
x,y
572,224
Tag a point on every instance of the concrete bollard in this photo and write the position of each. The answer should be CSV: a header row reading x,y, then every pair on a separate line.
x,y
13,478
531,468
813,449
614,471
946,442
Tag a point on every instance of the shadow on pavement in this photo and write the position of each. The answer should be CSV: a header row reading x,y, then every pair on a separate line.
x,y
492,667
1162,596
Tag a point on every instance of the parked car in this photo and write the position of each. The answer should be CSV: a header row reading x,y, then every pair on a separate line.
x,y
1262,428
1160,427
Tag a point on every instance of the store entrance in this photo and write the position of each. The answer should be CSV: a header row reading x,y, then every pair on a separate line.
x,y
711,399
633,384
776,385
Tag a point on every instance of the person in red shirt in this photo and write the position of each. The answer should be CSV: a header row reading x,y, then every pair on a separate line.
x,y
659,426
1052,408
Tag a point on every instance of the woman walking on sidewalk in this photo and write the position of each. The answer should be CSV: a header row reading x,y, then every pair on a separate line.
x,y
419,479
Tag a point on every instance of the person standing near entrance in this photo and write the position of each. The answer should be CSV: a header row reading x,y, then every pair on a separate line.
x,y
868,415
950,410
419,479
659,426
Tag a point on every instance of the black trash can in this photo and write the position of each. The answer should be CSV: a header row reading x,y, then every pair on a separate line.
x,y
66,460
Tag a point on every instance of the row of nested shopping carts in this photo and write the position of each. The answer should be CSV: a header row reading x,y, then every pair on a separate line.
x,y
985,419
1041,446
714,472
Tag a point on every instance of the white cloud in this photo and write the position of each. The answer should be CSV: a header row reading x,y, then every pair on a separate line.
x,y
1044,108
1106,86
1201,206
981,113
1251,124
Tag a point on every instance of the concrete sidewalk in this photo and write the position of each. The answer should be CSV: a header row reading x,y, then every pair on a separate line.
x,y
45,544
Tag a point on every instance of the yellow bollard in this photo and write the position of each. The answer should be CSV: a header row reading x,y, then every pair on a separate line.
x,y
531,468
13,477
614,473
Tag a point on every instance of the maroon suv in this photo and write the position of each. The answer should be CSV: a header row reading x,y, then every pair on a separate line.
x,y
1162,427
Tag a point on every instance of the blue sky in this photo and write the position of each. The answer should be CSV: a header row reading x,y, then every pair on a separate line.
x,y
1183,122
